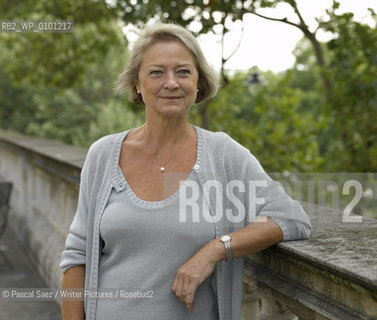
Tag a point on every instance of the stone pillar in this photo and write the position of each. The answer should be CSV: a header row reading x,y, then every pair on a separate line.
x,y
250,302
274,310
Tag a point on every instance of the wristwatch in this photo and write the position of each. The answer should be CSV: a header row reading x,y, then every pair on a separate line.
x,y
228,249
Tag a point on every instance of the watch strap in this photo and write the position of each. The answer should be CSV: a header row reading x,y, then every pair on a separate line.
x,y
228,247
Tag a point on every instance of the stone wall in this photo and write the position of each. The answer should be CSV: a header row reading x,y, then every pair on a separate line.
x,y
45,176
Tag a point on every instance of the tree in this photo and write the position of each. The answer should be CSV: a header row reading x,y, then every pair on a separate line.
x,y
353,105
58,59
209,15
269,121
348,136
58,85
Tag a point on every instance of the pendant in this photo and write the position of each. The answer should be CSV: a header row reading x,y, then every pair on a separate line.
x,y
162,169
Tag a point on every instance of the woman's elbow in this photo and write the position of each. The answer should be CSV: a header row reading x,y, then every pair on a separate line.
x,y
304,231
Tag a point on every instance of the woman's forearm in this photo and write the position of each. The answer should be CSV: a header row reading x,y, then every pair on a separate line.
x,y
255,237
73,309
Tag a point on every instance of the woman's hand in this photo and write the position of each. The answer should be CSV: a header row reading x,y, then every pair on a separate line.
x,y
255,237
194,271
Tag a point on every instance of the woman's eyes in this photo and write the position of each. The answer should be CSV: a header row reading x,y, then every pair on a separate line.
x,y
180,72
184,71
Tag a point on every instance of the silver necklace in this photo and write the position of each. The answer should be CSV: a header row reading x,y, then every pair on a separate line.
x,y
163,165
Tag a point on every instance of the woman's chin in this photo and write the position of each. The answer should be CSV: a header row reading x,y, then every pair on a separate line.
x,y
172,110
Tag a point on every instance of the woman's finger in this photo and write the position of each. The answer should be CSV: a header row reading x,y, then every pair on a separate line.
x,y
189,299
178,286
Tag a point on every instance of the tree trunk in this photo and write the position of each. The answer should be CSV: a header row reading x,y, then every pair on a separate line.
x,y
203,112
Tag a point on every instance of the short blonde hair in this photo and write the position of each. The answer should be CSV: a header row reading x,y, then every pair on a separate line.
x,y
208,80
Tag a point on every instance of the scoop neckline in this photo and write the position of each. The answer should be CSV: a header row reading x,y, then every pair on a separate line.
x,y
145,204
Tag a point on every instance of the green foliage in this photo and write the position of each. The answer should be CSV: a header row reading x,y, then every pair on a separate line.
x,y
203,13
267,120
60,85
352,107
58,59
114,116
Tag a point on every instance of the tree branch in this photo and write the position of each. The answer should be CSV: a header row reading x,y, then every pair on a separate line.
x,y
310,35
239,42
224,80
316,29
302,21
284,20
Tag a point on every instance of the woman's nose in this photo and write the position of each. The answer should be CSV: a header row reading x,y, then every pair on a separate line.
x,y
171,82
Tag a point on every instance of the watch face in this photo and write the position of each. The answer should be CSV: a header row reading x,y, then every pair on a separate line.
x,y
225,238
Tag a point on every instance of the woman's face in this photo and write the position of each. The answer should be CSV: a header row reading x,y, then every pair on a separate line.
x,y
168,78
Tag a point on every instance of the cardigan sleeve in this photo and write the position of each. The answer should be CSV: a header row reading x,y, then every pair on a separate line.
x,y
74,253
266,197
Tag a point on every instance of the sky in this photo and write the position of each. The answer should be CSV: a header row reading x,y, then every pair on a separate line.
x,y
268,44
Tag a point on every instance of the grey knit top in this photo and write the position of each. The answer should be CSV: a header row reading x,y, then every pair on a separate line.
x,y
144,243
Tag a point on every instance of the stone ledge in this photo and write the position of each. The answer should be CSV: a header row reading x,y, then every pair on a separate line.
x,y
333,274
348,249
55,150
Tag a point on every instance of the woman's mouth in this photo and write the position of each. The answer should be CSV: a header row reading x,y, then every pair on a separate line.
x,y
171,97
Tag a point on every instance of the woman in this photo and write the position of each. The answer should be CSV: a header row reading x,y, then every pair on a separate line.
x,y
169,209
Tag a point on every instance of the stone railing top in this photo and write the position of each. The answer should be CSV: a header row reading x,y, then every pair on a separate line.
x,y
332,275
52,149
343,248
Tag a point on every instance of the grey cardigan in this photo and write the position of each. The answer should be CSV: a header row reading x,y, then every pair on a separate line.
x,y
222,160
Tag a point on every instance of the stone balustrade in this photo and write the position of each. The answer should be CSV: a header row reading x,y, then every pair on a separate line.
x,y
333,275
45,176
